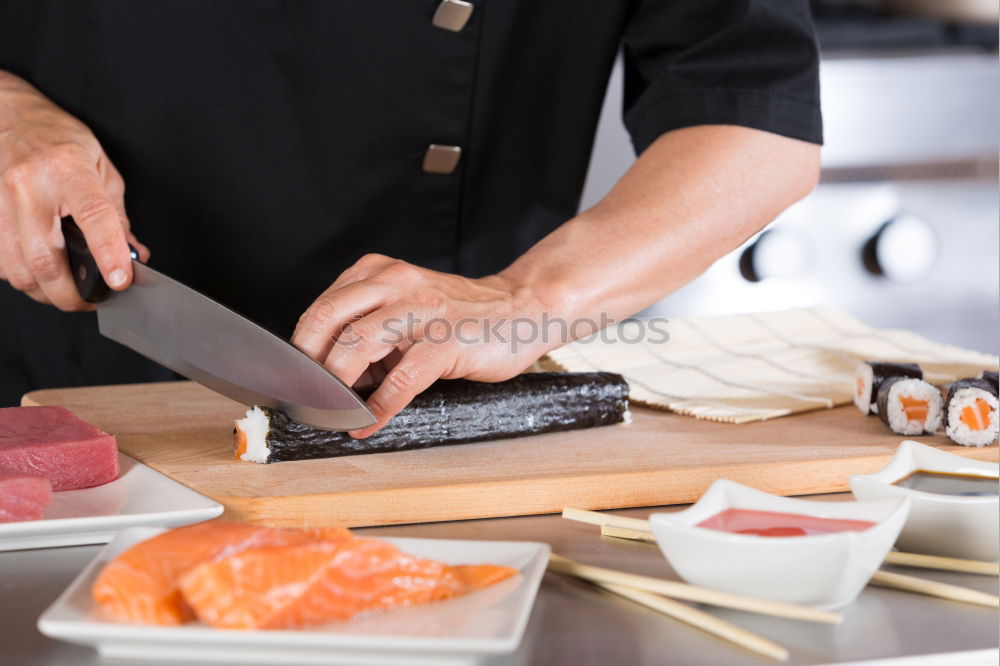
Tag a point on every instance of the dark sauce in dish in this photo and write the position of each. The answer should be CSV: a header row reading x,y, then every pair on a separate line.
x,y
944,483
775,524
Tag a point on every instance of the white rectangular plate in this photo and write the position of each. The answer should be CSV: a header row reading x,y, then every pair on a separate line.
x,y
140,496
484,623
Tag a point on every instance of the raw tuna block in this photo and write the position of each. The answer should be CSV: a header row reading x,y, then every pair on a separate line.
x,y
23,496
52,442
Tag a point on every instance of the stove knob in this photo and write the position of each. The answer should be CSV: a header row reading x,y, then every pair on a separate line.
x,y
904,249
775,254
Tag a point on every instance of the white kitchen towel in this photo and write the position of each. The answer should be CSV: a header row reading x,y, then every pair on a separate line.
x,y
751,367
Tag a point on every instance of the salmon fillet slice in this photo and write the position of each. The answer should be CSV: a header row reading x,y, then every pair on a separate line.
x,y
311,583
141,584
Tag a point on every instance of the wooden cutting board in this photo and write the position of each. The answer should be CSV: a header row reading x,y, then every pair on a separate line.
x,y
185,431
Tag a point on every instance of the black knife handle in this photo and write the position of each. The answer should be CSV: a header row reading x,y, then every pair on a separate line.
x,y
86,274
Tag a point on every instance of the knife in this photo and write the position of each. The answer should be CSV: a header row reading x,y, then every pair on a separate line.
x,y
203,340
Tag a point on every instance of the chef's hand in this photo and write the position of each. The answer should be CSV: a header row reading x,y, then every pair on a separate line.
x,y
391,323
51,165
695,194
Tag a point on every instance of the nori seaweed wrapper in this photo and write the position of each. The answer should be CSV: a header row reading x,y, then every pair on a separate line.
x,y
993,377
459,411
883,370
980,383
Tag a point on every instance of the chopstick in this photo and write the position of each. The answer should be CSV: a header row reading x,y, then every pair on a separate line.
x,y
638,530
598,518
626,533
701,620
934,589
943,563
679,590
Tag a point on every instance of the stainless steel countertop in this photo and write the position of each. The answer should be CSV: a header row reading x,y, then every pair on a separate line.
x,y
574,624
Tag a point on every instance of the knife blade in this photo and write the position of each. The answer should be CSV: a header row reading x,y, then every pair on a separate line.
x,y
195,336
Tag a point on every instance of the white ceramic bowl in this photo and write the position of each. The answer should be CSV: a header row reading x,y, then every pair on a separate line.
x,y
826,570
954,526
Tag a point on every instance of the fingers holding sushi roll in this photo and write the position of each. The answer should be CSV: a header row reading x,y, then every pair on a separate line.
x,y
387,320
362,344
376,372
421,366
322,324
364,267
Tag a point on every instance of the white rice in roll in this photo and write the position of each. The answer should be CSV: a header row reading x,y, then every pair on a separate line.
x,y
254,428
863,376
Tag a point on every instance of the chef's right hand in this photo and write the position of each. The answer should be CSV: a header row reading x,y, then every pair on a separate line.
x,y
51,166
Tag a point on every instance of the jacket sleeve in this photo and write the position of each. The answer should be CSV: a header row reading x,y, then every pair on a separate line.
x,y
753,63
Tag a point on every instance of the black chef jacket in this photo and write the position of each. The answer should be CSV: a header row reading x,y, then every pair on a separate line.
x,y
267,144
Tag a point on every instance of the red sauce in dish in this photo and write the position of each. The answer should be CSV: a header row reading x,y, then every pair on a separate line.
x,y
774,524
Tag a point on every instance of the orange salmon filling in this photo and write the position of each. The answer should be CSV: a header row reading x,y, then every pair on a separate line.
x,y
914,408
861,386
977,416
241,442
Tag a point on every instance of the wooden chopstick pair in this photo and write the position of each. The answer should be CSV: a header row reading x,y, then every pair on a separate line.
x,y
638,530
943,563
655,593
647,592
687,592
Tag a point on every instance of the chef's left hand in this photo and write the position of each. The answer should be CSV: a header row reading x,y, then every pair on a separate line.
x,y
384,320
693,195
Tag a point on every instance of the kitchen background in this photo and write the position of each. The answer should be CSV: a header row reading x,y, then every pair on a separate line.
x,y
904,229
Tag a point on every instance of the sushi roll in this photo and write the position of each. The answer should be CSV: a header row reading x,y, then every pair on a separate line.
x,y
453,411
970,413
868,377
992,377
910,406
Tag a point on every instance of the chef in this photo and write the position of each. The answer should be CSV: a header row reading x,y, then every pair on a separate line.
x,y
393,185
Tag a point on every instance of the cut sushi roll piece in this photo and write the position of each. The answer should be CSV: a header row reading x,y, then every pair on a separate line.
x,y
453,411
910,406
869,376
970,414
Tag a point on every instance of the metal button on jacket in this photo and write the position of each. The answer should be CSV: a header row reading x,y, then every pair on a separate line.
x,y
441,159
452,15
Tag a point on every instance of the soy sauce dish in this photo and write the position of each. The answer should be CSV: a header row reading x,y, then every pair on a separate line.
x,y
955,501
742,540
